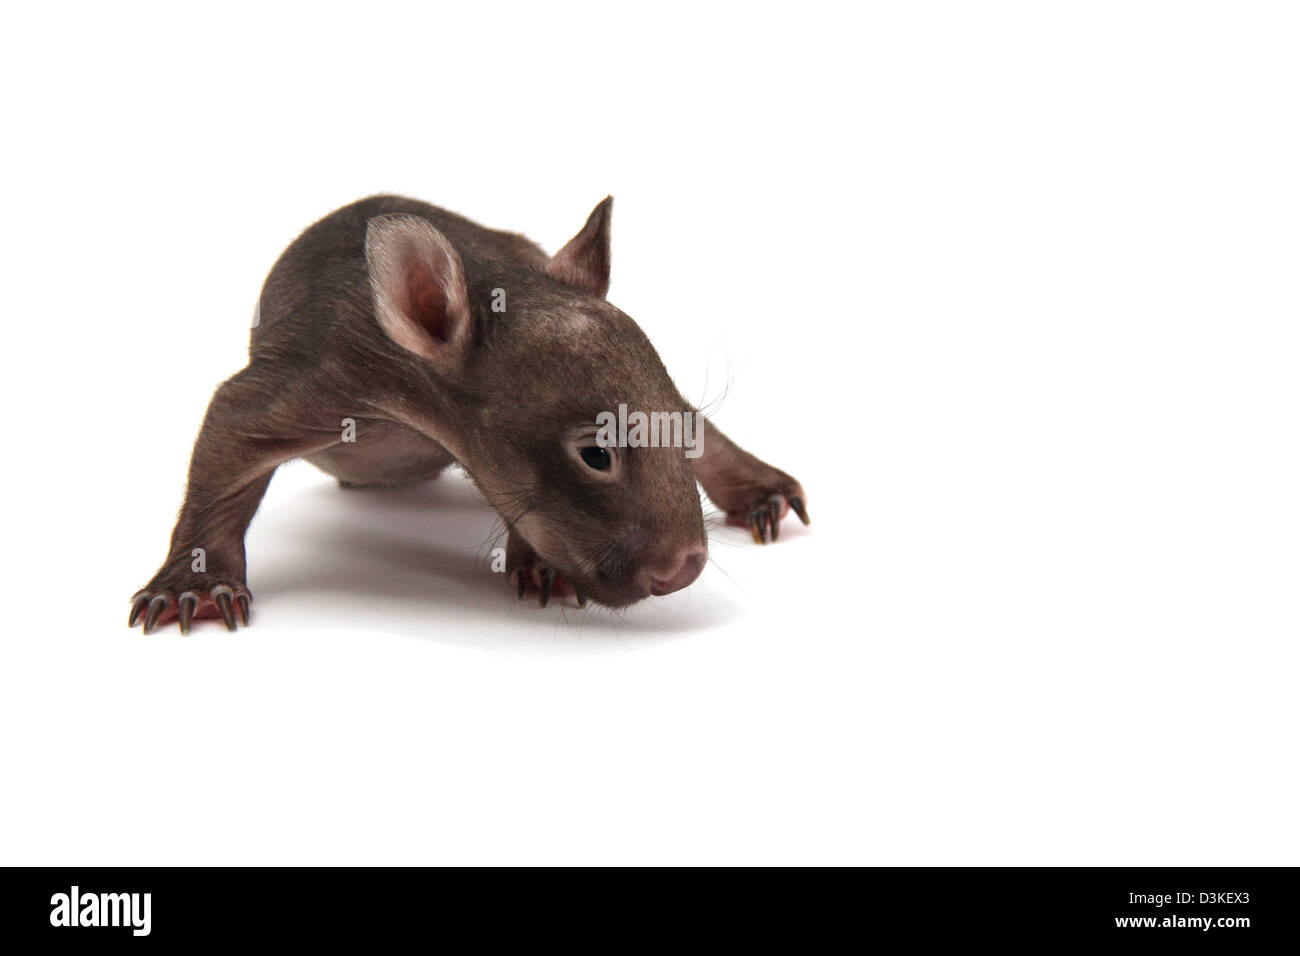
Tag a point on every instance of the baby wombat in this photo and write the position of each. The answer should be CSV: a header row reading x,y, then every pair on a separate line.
x,y
395,338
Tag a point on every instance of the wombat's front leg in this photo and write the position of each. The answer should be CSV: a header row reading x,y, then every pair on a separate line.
x,y
529,572
250,428
753,494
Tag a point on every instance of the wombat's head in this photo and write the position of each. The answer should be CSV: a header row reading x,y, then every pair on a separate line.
x,y
554,401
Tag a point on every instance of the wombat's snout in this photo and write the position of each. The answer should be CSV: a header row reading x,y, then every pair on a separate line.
x,y
646,562
680,568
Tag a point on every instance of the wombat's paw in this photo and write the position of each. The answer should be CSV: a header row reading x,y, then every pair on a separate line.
x,y
763,513
162,604
529,573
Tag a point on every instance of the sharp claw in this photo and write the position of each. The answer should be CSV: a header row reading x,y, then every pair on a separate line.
x,y
523,586
139,604
581,599
796,505
156,608
548,580
774,516
242,603
186,605
754,527
762,523
222,597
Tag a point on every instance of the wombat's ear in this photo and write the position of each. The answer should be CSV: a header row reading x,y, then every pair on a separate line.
x,y
418,284
584,261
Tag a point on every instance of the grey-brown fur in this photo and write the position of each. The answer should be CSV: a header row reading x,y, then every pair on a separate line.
x,y
509,395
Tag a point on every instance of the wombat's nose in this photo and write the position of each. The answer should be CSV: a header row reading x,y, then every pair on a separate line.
x,y
677,572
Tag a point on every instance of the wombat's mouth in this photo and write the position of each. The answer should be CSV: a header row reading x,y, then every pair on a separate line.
x,y
616,594
551,581
549,584
619,572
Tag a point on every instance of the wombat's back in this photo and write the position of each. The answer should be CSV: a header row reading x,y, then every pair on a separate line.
x,y
321,278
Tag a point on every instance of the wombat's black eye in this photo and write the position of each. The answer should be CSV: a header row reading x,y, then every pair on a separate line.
x,y
596,457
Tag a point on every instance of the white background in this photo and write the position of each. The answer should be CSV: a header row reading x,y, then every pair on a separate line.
x,y
1011,288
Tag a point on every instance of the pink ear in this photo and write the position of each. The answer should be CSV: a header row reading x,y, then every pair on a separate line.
x,y
428,301
584,261
418,284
